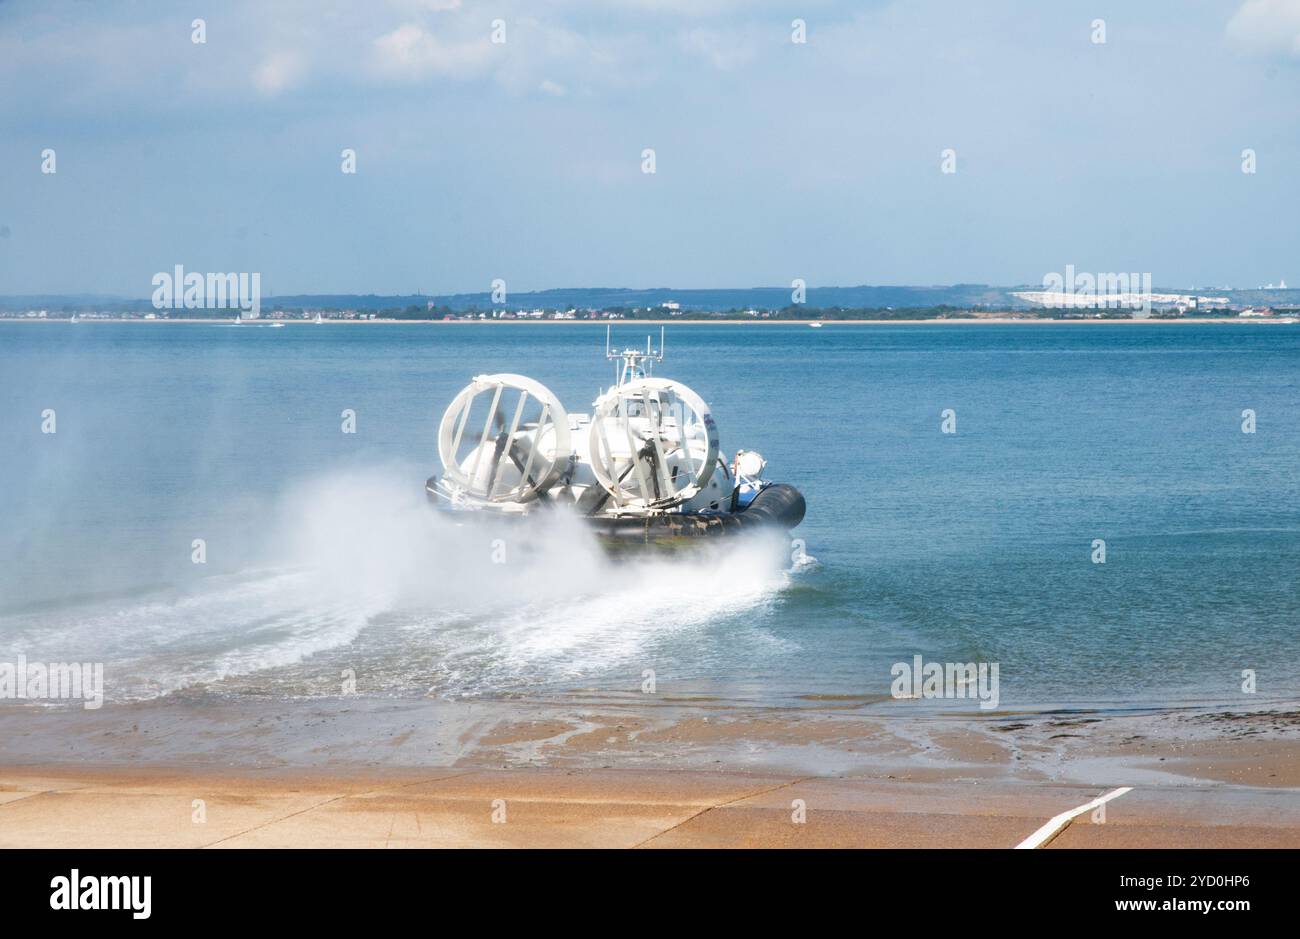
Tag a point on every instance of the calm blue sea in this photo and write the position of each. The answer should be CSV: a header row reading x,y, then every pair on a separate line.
x,y
975,546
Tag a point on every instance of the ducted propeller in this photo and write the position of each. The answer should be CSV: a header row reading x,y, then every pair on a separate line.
x,y
504,438
653,443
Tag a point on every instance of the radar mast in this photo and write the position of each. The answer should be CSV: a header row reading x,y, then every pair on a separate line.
x,y
633,363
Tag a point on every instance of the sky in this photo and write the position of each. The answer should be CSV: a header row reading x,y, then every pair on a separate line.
x,y
523,160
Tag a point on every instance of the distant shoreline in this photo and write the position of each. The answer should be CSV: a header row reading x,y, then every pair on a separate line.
x,y
933,321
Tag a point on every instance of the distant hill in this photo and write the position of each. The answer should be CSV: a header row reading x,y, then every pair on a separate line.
x,y
964,296
79,301
760,298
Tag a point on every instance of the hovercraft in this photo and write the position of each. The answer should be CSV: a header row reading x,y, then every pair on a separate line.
x,y
643,468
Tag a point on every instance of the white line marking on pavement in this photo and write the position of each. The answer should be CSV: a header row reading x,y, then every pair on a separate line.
x,y
1053,827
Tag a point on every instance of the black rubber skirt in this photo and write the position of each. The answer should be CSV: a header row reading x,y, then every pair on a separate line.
x,y
778,507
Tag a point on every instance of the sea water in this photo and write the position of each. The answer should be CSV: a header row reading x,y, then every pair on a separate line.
x,y
1080,504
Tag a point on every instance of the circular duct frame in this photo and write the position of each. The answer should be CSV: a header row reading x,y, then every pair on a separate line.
x,y
533,453
653,443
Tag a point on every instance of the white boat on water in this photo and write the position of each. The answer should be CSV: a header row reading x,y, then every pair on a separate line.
x,y
815,325
645,466
240,321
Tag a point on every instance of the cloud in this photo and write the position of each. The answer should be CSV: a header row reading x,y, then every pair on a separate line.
x,y
551,88
415,9
1267,27
723,50
279,71
697,8
428,6
411,52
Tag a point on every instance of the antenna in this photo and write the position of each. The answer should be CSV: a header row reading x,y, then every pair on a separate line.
x,y
635,363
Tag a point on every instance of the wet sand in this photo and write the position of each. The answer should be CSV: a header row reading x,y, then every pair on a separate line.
x,y
376,772
159,807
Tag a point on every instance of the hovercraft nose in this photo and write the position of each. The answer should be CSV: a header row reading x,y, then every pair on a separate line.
x,y
778,504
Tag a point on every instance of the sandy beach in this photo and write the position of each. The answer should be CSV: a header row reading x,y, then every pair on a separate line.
x,y
367,773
